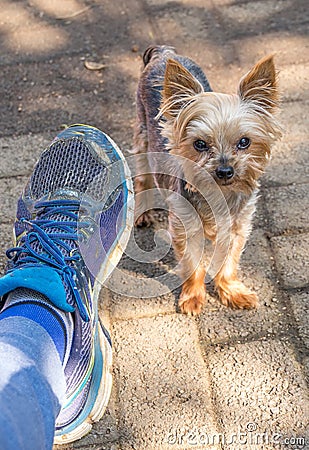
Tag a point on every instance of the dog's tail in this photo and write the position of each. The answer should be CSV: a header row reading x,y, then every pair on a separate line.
x,y
155,51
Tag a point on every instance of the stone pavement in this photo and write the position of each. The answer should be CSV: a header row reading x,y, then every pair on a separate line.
x,y
179,382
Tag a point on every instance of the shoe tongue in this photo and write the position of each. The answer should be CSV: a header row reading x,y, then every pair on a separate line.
x,y
41,279
53,228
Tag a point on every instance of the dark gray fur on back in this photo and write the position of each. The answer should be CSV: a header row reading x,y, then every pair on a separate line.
x,y
150,87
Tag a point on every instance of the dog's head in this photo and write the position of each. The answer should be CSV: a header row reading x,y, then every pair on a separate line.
x,y
228,135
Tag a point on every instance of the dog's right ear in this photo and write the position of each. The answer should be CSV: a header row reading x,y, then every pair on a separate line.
x,y
178,88
260,85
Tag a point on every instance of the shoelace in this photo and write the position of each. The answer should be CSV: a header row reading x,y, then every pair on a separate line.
x,y
50,253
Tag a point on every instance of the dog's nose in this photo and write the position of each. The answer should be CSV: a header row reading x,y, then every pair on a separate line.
x,y
225,172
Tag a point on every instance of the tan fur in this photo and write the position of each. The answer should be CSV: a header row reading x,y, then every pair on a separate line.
x,y
220,120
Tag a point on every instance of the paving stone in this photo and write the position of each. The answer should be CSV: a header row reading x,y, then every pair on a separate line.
x,y
193,31
291,77
221,324
6,241
52,113
265,16
144,284
306,366
24,151
259,219
45,95
10,190
51,78
266,20
130,307
160,375
259,387
41,33
294,118
288,163
287,207
55,88
300,303
145,276
285,44
291,255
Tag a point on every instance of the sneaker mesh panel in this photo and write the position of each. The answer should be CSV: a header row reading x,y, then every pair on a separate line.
x,y
108,225
26,294
22,211
80,355
67,164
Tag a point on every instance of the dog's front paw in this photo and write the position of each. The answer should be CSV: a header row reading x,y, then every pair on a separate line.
x,y
189,187
236,295
144,220
191,303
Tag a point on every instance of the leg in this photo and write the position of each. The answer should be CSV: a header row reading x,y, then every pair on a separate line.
x,y
188,247
193,294
32,386
231,290
143,185
143,181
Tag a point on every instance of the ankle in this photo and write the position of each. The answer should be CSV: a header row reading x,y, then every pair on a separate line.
x,y
36,307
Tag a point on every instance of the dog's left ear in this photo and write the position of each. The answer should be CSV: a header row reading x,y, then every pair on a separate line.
x,y
178,88
260,84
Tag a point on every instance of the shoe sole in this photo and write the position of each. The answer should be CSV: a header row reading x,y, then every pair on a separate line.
x,y
111,262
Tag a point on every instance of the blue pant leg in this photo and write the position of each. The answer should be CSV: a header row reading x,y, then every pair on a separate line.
x,y
32,385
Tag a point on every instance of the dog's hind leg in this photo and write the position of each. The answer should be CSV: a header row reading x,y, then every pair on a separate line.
x,y
143,180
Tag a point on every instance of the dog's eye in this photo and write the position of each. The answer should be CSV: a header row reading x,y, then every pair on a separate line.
x,y
200,145
243,143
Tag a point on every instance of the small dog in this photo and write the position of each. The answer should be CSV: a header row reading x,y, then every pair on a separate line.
x,y
229,137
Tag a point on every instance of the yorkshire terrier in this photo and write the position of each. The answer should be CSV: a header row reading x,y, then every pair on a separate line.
x,y
229,137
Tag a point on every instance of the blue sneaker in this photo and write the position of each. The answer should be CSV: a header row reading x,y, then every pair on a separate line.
x,y
73,222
